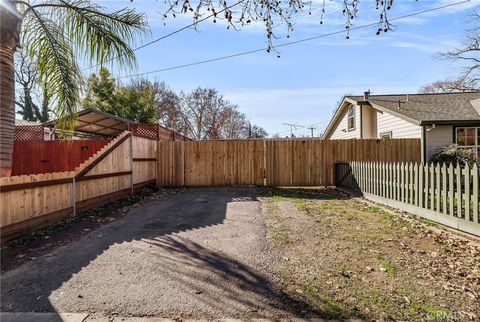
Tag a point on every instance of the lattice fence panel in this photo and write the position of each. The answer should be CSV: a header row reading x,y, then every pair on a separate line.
x,y
29,133
148,131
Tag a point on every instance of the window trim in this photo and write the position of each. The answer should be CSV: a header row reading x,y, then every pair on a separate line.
x,y
389,133
353,116
476,146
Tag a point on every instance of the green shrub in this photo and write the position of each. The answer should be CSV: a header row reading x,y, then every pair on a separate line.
x,y
455,155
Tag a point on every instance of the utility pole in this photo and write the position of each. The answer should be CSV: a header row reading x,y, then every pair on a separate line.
x,y
311,128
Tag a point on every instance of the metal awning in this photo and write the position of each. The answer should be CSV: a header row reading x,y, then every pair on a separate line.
x,y
97,123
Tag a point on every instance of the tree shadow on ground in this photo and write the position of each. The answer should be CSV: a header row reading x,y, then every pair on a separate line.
x,y
217,281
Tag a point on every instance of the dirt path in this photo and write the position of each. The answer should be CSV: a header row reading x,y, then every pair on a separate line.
x,y
201,253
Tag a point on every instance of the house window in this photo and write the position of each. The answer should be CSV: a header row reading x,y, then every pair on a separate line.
x,y
386,135
469,138
351,118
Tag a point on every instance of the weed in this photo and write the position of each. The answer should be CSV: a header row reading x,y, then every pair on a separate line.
x,y
386,215
311,291
373,209
279,234
334,309
300,203
378,298
418,310
391,271
428,222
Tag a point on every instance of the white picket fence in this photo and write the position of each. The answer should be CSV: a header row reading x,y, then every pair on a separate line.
x,y
445,194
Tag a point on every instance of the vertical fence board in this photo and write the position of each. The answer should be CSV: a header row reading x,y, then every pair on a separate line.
x,y
466,172
476,189
458,173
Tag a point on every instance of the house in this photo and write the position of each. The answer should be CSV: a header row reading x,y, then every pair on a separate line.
x,y
436,119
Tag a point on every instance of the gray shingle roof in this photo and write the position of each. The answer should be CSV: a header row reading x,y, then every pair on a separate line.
x,y
430,107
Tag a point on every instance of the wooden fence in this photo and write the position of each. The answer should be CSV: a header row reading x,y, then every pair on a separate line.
x,y
283,162
34,157
130,162
445,194
29,202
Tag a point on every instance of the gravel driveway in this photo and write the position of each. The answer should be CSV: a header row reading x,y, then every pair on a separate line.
x,y
201,253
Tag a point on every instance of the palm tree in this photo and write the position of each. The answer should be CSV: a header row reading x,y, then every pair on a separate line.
x,y
57,34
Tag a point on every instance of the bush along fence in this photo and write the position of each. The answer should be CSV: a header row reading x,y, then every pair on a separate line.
x,y
442,193
31,201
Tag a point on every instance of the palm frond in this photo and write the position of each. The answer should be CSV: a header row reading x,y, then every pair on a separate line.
x,y
99,36
58,32
55,61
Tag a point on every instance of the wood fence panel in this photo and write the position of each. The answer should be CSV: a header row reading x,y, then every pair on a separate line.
x,y
30,202
35,157
144,154
282,162
119,160
215,163
31,198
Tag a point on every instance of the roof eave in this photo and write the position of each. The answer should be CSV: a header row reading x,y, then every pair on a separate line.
x,y
453,122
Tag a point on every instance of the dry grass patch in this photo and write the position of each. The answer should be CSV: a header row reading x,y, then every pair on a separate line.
x,y
351,259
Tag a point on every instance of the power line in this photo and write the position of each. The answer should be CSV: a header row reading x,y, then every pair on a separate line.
x,y
292,42
193,24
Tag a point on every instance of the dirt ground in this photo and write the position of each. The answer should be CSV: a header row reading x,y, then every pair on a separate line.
x,y
244,253
350,258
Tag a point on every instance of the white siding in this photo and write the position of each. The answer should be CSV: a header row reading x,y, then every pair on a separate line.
x,y
341,129
436,138
400,128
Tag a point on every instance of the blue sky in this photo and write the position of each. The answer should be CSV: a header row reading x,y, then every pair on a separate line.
x,y
304,85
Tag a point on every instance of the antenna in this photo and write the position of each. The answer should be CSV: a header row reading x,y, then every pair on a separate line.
x,y
292,126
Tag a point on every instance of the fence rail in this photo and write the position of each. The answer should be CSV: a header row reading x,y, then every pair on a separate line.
x,y
440,192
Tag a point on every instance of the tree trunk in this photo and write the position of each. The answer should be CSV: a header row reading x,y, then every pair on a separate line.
x,y
9,34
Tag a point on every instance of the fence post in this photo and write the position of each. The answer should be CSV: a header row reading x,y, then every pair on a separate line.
x,y
74,196
476,187
131,161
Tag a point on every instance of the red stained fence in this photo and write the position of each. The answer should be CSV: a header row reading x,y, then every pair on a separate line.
x,y
33,157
